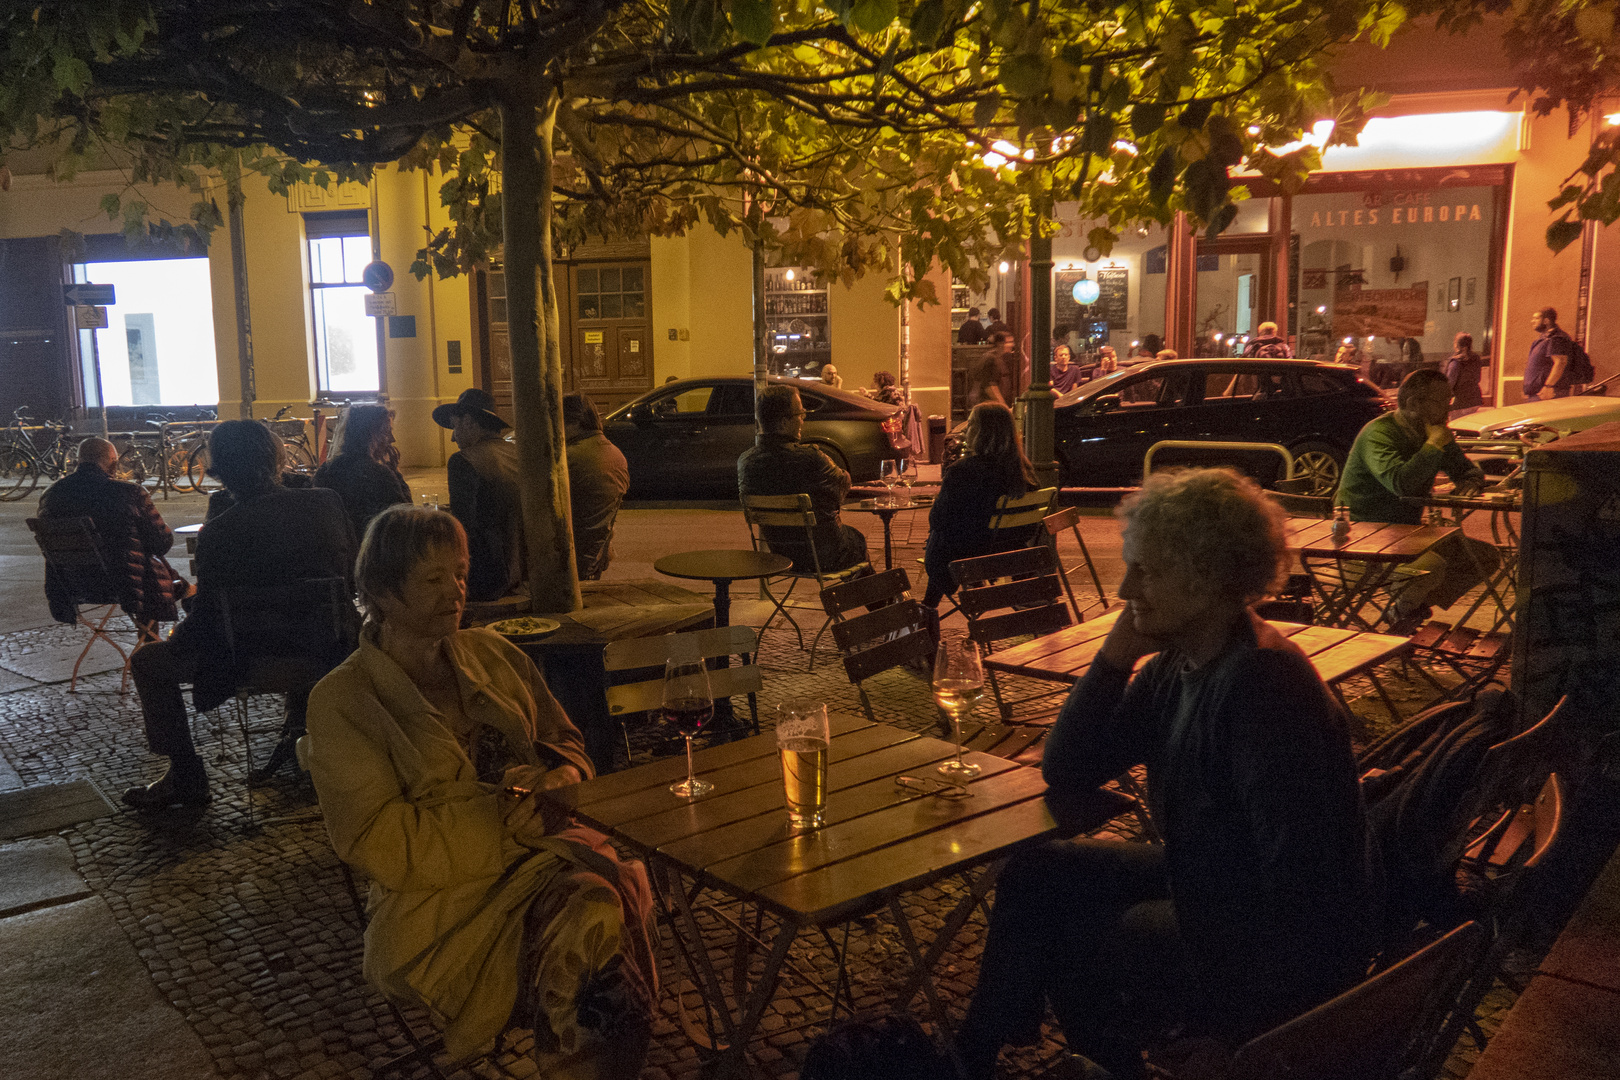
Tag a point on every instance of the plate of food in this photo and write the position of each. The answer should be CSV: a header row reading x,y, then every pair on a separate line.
x,y
524,626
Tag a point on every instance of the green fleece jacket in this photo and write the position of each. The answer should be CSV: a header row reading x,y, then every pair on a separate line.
x,y
1391,462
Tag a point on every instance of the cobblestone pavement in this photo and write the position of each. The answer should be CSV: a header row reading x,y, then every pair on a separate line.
x,y
251,934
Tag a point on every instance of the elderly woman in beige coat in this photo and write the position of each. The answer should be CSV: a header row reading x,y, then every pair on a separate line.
x,y
426,746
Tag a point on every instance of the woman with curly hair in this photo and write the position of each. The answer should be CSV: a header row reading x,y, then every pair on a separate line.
x,y
365,470
427,746
1260,903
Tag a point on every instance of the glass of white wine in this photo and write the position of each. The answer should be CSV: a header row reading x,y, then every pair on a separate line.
x,y
889,472
958,686
908,475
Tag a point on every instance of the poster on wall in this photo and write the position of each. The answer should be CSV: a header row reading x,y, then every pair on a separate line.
x,y
1362,312
1066,311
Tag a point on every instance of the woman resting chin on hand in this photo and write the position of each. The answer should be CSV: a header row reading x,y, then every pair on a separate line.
x,y
427,747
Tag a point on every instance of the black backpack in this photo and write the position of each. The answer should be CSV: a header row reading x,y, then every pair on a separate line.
x,y
1580,363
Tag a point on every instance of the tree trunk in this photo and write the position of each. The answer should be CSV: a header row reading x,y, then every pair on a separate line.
x,y
528,115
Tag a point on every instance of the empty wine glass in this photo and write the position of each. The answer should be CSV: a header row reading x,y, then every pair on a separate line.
x,y
958,686
430,501
889,472
688,705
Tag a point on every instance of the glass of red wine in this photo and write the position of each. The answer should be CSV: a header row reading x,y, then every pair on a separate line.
x,y
688,706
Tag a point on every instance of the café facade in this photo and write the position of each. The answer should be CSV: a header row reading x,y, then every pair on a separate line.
x,y
1433,225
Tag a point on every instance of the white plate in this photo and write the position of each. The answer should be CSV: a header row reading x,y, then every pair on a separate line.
x,y
524,626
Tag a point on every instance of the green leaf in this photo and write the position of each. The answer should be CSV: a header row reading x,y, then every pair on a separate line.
x,y
985,110
928,21
109,204
71,74
1098,136
1025,76
1217,224
1565,197
874,16
1162,176
754,20
1146,119
1194,115
1562,233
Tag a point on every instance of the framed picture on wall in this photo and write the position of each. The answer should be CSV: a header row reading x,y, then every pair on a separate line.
x,y
1454,294
1468,293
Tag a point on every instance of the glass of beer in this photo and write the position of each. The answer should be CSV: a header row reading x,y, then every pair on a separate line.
x,y
802,738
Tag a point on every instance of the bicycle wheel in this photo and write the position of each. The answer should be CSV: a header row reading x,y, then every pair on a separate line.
x,y
179,480
139,463
299,459
19,473
197,470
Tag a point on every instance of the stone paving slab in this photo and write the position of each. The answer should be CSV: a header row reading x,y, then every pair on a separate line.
x,y
77,1002
44,807
10,680
37,873
54,663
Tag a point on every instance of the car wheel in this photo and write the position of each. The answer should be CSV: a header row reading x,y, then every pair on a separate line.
x,y
1319,463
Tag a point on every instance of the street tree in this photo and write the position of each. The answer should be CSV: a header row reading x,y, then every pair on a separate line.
x,y
847,135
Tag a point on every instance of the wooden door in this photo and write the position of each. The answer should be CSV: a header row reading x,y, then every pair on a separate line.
x,y
609,318
493,341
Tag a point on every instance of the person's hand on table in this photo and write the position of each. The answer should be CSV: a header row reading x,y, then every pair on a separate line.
x,y
1467,489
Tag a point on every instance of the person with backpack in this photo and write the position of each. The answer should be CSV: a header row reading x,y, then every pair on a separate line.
x,y
1462,370
1267,345
1552,360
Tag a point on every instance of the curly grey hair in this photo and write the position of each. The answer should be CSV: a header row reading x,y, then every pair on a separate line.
x,y
1216,526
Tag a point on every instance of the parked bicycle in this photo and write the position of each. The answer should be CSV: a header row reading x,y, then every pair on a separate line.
x,y
32,448
294,437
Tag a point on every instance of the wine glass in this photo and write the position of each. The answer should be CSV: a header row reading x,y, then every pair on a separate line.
x,y
908,474
688,705
889,472
430,501
958,686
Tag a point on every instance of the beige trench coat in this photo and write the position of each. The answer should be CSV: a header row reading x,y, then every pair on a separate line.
x,y
449,885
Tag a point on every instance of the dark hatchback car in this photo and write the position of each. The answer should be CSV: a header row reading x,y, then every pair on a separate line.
x,y
683,439
1103,428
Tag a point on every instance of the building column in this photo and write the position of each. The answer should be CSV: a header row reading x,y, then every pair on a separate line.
x,y
1180,285
1281,229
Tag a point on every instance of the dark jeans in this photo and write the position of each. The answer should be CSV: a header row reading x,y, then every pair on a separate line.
x,y
160,668
1088,926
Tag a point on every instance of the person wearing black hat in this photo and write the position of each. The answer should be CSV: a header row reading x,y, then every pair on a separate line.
x,y
483,480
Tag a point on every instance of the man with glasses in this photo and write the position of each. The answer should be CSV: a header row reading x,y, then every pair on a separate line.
x,y
780,464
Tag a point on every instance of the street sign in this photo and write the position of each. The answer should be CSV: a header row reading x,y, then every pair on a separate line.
x,y
378,277
91,318
85,294
381,303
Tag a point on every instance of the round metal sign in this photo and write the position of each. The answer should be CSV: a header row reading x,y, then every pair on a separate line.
x,y
377,276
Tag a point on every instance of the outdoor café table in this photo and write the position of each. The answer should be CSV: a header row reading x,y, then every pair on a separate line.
x,y
187,534
1335,653
723,567
1501,504
885,508
1346,574
880,843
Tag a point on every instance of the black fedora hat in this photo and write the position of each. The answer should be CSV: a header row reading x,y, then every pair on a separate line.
x,y
474,402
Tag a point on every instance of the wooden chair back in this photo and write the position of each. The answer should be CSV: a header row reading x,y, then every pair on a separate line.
x,y
1011,594
894,630
1368,1032
783,512
1022,511
73,547
644,655
1069,518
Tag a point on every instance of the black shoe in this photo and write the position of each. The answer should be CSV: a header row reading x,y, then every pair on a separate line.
x,y
286,750
173,790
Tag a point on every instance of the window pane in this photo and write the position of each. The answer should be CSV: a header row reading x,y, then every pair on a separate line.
x,y
1218,384
634,307
589,308
1312,383
497,284
1142,393
345,340
497,310
326,261
686,403
632,280
587,281
610,280
356,254
612,306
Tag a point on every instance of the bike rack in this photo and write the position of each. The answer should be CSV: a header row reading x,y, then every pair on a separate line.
x,y
1198,444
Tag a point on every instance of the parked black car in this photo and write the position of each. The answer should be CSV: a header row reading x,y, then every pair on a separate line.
x,y
683,439
1104,428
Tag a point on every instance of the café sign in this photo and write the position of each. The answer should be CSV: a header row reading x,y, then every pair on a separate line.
x,y
1435,207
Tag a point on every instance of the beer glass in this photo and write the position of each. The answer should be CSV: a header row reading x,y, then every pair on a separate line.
x,y
802,738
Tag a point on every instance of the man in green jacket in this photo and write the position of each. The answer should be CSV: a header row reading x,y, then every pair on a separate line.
x,y
1393,463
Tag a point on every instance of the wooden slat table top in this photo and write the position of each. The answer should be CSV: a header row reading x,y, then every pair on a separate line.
x,y
879,839
1369,541
1066,655
638,592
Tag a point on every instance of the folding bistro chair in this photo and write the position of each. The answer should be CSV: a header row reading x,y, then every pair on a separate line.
x,y
894,631
1017,523
1014,594
1069,518
72,547
644,659
793,512
283,639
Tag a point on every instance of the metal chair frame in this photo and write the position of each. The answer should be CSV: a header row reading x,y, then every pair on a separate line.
x,y
73,546
1055,523
792,511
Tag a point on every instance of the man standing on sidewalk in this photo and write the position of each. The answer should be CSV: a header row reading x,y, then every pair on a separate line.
x,y
1548,365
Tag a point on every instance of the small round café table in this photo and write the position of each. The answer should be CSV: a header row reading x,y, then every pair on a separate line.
x,y
723,567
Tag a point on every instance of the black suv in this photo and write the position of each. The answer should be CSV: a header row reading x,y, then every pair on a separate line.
x,y
1104,427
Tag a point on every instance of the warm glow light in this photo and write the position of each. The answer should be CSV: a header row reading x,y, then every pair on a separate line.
x,y
1134,344
994,160
1125,146
1613,119
1004,267
1320,131
788,275
1321,309
1085,291
1254,129
1218,339
1347,341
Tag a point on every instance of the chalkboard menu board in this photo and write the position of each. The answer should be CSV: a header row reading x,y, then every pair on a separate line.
x,y
1113,299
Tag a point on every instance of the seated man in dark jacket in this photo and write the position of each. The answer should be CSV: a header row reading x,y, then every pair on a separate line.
x,y
1260,904
271,535
133,536
484,497
779,464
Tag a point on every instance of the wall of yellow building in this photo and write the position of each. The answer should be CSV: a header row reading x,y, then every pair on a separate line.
x,y
709,302
1532,275
930,352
